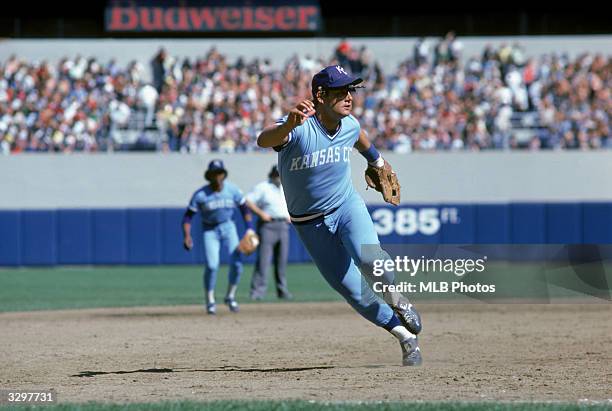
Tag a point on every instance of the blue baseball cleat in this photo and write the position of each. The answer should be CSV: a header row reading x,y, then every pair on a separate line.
x,y
211,308
411,353
232,304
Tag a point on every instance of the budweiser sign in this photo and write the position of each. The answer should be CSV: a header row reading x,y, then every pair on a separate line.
x,y
234,17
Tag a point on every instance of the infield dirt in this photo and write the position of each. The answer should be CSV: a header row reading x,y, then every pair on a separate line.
x,y
318,351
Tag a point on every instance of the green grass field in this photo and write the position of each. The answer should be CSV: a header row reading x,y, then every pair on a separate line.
x,y
87,287
26,289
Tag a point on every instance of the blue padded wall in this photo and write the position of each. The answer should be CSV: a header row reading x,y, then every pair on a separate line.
x,y
109,236
144,236
154,235
74,237
492,224
38,238
597,223
10,238
564,223
459,227
528,223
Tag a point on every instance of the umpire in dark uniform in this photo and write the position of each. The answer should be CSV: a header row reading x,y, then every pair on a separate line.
x,y
267,200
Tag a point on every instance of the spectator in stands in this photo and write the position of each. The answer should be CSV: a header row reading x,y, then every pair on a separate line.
x,y
211,104
343,52
158,67
420,53
448,49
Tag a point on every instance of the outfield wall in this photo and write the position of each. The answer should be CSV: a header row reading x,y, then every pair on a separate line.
x,y
153,236
127,208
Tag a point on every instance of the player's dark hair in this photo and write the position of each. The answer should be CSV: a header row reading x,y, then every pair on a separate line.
x,y
315,93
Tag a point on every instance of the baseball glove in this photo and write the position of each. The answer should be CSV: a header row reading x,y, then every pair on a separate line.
x,y
249,242
383,179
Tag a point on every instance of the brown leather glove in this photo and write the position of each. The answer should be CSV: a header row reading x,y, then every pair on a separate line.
x,y
249,242
384,180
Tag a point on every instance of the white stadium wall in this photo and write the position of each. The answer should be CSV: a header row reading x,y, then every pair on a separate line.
x,y
47,181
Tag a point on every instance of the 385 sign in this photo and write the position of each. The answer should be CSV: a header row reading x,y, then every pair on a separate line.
x,y
411,221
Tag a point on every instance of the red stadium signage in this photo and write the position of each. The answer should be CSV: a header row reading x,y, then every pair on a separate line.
x,y
134,17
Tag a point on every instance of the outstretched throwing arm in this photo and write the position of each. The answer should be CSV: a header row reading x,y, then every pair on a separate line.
x,y
278,134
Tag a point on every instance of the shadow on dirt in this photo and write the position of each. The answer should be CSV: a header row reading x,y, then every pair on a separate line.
x,y
219,369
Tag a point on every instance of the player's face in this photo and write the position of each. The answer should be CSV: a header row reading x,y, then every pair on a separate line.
x,y
340,100
217,178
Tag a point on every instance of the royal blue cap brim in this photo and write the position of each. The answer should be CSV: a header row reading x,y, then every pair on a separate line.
x,y
345,82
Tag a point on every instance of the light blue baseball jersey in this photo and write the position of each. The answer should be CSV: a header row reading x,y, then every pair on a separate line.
x,y
216,207
315,167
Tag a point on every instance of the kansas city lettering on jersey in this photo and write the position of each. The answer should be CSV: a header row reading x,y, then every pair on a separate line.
x,y
216,204
321,157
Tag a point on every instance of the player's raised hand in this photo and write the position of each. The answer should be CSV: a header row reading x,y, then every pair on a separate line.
x,y
278,134
298,115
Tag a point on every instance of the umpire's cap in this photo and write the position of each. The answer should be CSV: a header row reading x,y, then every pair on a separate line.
x,y
274,172
215,166
333,77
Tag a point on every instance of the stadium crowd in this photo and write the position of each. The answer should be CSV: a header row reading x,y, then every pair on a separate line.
x,y
435,100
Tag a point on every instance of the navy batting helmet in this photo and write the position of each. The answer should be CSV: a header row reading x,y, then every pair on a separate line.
x,y
215,166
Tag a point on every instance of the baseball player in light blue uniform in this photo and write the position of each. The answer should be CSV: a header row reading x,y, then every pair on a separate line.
x,y
216,203
314,143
